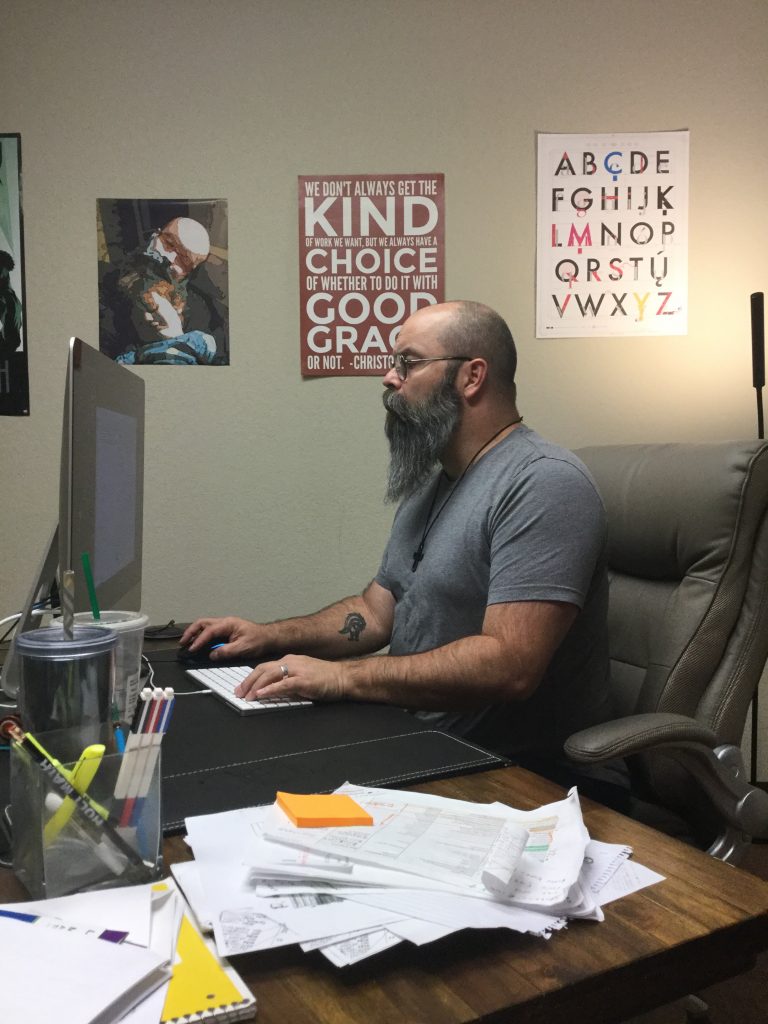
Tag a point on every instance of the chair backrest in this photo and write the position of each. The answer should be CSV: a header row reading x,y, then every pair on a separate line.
x,y
688,564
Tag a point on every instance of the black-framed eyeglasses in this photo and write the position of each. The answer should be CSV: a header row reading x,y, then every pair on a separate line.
x,y
401,363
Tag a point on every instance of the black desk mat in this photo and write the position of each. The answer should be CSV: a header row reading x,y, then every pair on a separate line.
x,y
391,760
216,760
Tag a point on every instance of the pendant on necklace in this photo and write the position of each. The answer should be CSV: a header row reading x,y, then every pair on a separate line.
x,y
418,554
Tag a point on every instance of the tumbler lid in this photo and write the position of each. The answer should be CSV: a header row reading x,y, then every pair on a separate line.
x,y
51,642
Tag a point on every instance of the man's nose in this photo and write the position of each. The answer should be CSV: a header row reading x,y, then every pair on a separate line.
x,y
391,379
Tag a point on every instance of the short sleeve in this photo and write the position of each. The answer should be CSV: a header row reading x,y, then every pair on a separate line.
x,y
547,535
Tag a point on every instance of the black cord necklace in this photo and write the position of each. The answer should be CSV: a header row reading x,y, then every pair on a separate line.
x,y
418,554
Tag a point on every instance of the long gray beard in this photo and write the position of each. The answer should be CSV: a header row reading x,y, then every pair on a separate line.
x,y
418,435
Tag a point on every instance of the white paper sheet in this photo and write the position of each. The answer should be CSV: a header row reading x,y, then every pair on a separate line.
x,y
187,877
84,975
601,862
167,911
149,1010
360,947
456,912
265,923
630,877
337,940
123,909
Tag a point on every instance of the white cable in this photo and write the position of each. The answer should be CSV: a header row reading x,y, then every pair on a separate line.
x,y
150,670
17,615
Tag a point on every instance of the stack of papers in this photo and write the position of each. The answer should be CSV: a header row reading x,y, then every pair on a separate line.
x,y
426,867
131,954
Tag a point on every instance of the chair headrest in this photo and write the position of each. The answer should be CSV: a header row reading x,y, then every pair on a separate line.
x,y
673,508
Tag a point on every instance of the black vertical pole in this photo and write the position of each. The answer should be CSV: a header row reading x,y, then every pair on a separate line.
x,y
757,311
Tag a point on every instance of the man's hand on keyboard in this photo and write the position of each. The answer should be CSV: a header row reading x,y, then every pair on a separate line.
x,y
297,676
239,637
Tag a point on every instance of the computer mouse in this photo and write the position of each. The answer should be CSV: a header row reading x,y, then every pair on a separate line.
x,y
199,657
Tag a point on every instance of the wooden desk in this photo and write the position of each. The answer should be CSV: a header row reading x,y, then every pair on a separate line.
x,y
704,924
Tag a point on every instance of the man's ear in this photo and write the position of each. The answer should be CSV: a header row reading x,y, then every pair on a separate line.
x,y
473,378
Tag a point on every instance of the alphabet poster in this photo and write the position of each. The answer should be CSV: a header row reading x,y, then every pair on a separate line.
x,y
612,235
371,252
14,373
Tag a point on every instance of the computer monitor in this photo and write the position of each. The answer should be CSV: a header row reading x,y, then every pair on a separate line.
x,y
101,492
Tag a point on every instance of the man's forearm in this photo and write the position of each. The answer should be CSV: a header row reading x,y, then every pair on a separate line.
x,y
506,662
474,671
345,629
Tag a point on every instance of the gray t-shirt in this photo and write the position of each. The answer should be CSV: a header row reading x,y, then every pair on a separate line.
x,y
525,524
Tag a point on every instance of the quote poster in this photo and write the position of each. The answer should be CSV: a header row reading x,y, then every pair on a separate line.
x,y
163,269
372,251
612,235
14,372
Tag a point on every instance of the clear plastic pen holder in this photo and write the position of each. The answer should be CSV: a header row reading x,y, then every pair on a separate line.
x,y
60,846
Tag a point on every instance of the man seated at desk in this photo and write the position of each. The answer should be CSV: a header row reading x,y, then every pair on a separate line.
x,y
492,590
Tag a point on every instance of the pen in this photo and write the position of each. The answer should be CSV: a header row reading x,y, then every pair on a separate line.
x,y
141,755
134,739
119,738
144,781
131,768
141,709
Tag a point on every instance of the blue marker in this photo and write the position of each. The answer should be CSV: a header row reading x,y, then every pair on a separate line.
x,y
119,737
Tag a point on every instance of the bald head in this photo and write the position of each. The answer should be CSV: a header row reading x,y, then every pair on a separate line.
x,y
473,329
184,243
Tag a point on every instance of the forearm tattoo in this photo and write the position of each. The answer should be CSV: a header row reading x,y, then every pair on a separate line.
x,y
354,624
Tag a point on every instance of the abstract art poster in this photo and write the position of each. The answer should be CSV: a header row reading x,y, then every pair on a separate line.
x,y
14,372
163,281
612,235
371,252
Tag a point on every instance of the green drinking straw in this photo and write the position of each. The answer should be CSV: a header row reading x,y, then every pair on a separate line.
x,y
85,558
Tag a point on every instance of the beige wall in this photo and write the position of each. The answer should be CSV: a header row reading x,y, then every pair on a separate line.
x,y
264,490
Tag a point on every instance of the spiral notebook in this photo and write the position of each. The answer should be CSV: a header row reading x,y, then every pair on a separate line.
x,y
204,987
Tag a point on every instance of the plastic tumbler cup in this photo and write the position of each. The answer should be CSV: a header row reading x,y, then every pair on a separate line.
x,y
129,627
66,682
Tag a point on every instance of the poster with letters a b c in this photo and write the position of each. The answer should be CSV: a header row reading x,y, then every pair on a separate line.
x,y
612,234
14,374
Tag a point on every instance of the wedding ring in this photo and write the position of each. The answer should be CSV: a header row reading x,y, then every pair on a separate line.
x,y
284,670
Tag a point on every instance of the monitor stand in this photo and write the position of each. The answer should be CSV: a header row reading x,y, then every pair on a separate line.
x,y
41,591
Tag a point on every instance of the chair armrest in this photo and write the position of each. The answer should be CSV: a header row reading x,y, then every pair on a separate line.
x,y
633,734
718,769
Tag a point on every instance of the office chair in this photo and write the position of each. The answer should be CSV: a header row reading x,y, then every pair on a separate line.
x,y
688,632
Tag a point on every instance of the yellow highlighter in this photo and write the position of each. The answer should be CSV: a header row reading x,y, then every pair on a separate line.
x,y
80,777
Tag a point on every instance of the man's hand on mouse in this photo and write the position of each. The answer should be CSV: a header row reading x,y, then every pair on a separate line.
x,y
238,637
293,675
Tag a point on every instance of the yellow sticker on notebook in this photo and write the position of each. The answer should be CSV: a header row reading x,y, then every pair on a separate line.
x,y
319,810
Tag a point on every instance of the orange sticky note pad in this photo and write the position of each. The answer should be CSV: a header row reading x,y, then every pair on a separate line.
x,y
319,810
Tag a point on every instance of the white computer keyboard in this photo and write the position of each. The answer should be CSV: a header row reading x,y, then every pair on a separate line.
x,y
222,680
